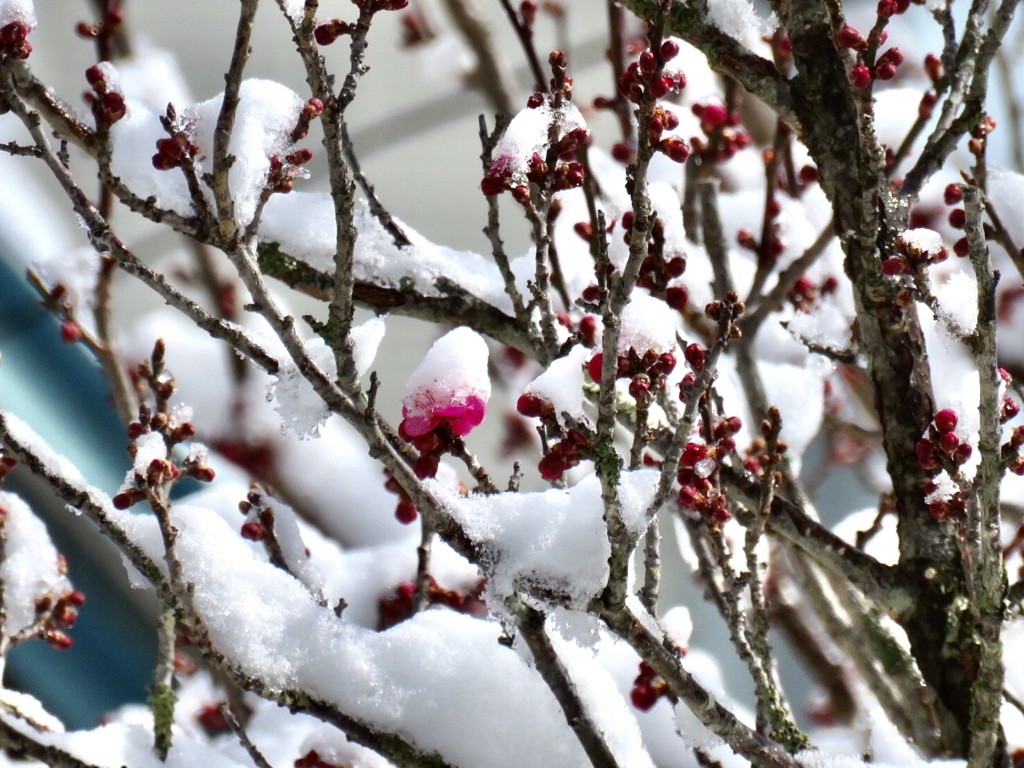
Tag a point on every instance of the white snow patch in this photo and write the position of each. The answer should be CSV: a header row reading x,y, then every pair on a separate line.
x,y
29,571
17,10
648,324
553,541
562,384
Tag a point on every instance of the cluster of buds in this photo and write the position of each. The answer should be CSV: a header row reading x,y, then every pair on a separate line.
x,y
647,688
953,195
805,294
657,269
942,443
771,247
1011,452
659,121
724,135
58,302
979,136
697,467
886,64
564,455
884,69
849,37
329,31
573,446
14,42
432,446
646,75
164,426
55,617
585,330
889,8
311,109
945,509
567,173
646,372
284,171
172,151
106,99
399,606
259,515
915,249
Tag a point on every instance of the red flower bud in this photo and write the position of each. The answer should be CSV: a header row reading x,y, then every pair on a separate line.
x,y
848,37
675,148
946,420
860,76
530,405
696,356
405,512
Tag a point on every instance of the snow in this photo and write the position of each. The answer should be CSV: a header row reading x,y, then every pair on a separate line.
x,y
922,240
77,270
17,10
647,324
529,133
737,19
30,568
153,76
451,382
366,339
401,680
561,384
294,9
58,464
149,447
958,297
551,542
302,411
133,140
303,226
1006,187
609,711
266,115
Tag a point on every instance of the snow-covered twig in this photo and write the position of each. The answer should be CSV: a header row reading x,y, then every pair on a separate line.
x,y
983,512
222,162
531,623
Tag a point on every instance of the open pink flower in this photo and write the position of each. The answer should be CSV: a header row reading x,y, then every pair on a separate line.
x,y
449,388
423,414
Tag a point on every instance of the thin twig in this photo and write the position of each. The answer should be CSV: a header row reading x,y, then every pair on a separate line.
x,y
243,738
531,626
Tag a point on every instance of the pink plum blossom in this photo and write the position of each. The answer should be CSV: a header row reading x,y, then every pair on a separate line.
x,y
450,387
